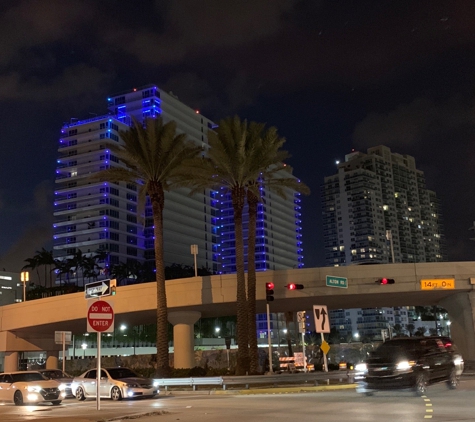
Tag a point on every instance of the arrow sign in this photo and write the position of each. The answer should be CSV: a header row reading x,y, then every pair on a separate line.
x,y
97,289
322,321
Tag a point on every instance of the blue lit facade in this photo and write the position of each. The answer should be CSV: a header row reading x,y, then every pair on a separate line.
x,y
278,233
92,216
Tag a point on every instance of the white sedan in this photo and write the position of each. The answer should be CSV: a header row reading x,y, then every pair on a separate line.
x,y
28,387
116,384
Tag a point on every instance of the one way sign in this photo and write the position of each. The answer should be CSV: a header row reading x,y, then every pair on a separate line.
x,y
322,320
99,288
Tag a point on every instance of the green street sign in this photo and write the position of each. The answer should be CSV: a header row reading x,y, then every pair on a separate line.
x,y
340,282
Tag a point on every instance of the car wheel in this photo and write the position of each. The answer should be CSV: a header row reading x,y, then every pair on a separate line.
x,y
116,395
80,394
420,386
18,398
453,380
56,402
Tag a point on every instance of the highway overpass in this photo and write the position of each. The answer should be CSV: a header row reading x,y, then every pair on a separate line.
x,y
31,325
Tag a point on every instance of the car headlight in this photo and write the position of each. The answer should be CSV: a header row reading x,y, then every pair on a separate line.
x,y
62,387
361,367
405,365
33,388
458,360
156,383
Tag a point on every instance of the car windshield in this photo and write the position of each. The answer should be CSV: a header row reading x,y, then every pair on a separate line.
x,y
118,373
28,376
397,348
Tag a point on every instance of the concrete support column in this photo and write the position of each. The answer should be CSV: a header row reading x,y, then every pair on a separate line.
x,y
11,362
183,337
461,310
52,358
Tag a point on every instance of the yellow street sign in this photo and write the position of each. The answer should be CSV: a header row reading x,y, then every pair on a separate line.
x,y
438,283
325,347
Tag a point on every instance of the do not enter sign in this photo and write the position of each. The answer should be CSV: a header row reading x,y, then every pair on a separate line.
x,y
100,317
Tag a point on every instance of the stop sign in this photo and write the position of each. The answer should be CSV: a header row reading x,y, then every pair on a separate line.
x,y
100,317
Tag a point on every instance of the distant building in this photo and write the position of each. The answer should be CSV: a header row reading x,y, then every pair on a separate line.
x,y
377,209
11,288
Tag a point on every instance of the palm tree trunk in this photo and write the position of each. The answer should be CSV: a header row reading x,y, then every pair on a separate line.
x,y
251,283
157,199
242,364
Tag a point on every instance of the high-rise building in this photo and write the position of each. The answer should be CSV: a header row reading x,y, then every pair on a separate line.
x,y
102,216
377,209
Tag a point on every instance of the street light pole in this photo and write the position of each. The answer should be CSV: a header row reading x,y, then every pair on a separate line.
x,y
194,252
25,276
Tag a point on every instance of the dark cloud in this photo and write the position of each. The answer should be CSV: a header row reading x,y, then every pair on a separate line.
x,y
325,73
420,122
441,136
35,232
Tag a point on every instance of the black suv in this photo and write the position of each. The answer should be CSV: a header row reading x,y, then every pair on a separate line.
x,y
411,362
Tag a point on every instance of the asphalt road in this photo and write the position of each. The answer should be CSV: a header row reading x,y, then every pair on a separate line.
x,y
440,404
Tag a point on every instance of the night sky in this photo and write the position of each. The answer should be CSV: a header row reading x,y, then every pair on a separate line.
x,y
330,75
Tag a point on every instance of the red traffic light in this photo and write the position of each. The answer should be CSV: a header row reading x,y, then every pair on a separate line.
x,y
385,281
269,292
293,286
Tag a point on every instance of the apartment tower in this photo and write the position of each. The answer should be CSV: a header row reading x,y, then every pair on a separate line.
x,y
102,216
377,209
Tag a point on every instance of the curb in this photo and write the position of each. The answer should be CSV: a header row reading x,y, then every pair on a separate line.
x,y
285,390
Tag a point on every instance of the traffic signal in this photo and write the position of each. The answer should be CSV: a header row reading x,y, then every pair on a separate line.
x,y
385,281
293,286
113,286
269,292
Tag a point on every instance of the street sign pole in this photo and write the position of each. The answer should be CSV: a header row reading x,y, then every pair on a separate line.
x,y
63,337
301,323
322,325
98,383
269,339
100,318
325,363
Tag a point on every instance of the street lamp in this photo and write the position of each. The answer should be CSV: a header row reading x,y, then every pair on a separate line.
x,y
24,277
217,330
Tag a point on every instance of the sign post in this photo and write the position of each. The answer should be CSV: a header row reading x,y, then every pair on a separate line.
x,y
301,322
100,319
63,337
322,325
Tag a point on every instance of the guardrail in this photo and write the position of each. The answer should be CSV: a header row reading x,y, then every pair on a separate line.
x,y
246,381
188,382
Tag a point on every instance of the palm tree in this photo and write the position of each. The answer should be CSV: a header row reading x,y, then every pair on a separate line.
x,y
32,264
240,158
274,176
45,258
62,267
153,153
78,262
